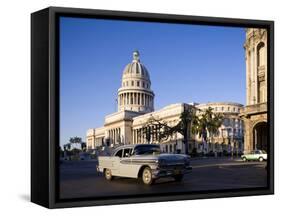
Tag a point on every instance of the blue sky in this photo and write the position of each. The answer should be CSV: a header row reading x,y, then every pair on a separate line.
x,y
187,63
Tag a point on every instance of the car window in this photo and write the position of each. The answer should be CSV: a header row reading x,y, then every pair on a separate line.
x,y
147,149
127,152
257,152
119,153
252,152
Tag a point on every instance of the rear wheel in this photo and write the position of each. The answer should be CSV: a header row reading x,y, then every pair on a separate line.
x,y
178,178
108,175
147,176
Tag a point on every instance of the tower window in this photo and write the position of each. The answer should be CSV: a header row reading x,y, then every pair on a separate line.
x,y
143,84
138,83
127,83
132,83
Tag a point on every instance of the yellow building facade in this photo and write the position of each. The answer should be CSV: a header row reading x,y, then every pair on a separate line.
x,y
255,111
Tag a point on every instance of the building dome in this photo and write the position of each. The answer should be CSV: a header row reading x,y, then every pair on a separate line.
x,y
135,93
135,68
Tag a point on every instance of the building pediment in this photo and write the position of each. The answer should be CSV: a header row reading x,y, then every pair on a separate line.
x,y
124,115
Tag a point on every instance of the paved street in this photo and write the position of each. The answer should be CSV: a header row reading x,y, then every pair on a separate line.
x,y
80,179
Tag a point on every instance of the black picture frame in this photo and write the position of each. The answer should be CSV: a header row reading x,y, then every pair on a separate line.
x,y
45,105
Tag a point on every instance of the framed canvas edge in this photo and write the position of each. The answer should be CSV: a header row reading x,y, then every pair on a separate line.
x,y
54,100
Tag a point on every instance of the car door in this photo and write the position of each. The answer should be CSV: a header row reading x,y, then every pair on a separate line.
x,y
256,155
251,155
115,171
127,169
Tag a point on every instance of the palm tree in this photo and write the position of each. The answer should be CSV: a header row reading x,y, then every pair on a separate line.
x,y
206,124
75,140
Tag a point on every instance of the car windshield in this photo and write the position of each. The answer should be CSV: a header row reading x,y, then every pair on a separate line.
x,y
263,151
147,149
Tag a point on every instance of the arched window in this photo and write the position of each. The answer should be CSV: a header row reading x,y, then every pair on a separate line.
x,y
261,58
261,54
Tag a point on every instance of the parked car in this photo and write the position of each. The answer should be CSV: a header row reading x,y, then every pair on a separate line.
x,y
259,155
143,161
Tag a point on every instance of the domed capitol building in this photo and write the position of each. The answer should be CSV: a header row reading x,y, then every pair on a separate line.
x,y
136,107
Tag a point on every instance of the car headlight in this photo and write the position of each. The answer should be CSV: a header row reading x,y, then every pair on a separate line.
x,y
161,162
186,161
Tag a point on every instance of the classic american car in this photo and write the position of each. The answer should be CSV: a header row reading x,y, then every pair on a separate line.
x,y
143,161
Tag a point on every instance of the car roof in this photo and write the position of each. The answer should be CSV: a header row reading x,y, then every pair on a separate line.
x,y
132,146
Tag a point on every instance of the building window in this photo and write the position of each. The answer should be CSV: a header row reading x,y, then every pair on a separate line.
x,y
138,83
233,109
222,108
127,83
228,108
261,54
132,83
143,84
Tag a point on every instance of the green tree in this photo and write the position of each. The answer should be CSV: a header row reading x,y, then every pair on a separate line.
x,y
163,131
206,124
75,140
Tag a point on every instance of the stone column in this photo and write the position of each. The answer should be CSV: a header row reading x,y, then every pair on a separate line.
x,y
252,76
247,77
145,100
124,99
256,74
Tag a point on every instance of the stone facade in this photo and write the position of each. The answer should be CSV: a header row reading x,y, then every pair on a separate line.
x,y
230,136
255,112
135,93
136,106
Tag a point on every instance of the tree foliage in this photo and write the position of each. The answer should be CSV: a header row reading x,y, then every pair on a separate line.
x,y
207,122
164,131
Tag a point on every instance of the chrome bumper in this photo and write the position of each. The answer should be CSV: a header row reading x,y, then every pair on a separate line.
x,y
157,173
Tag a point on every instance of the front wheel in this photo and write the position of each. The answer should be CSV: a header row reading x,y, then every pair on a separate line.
x,y
178,178
244,159
108,175
147,176
261,159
